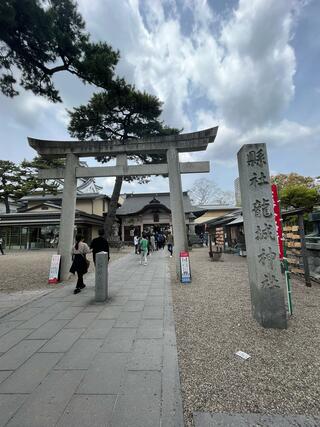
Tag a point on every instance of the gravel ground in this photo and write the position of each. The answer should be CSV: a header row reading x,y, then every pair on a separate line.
x,y
213,321
29,270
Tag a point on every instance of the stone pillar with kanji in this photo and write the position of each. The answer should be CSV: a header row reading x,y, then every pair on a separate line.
x,y
267,284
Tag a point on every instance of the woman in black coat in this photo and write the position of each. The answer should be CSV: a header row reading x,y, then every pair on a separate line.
x,y
80,262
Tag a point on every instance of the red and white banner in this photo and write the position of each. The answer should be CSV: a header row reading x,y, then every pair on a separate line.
x,y
277,218
185,267
54,269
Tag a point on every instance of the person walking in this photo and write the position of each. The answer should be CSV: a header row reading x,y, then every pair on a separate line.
x,y
156,238
170,243
162,240
100,244
1,243
136,244
80,263
144,246
152,243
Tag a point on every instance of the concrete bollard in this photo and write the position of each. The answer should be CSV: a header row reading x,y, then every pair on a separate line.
x,y
101,280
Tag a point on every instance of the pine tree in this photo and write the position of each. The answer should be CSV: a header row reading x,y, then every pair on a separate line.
x,y
41,38
121,114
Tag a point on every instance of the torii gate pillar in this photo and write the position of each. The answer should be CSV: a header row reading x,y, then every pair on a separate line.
x,y
66,229
176,203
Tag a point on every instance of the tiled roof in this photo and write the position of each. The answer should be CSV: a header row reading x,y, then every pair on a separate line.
x,y
58,196
134,203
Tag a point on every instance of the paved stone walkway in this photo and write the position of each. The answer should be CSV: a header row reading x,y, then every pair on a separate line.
x,y
66,361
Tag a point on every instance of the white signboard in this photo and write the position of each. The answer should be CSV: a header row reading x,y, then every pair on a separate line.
x,y
54,269
185,267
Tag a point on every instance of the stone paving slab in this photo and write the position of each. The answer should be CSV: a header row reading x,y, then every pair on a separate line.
x,y
99,329
112,312
4,375
69,313
128,319
46,405
120,340
62,341
68,361
12,338
8,325
205,419
9,404
153,312
134,306
80,355
38,320
48,330
150,328
146,355
26,378
82,320
105,374
88,410
12,302
26,314
18,354
154,301
140,403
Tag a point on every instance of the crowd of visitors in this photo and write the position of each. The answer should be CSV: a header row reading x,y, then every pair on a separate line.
x,y
151,242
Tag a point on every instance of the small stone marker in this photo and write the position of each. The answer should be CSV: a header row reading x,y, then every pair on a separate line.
x,y
101,279
266,280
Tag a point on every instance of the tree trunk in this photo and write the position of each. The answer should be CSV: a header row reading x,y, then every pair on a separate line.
x,y
6,203
113,205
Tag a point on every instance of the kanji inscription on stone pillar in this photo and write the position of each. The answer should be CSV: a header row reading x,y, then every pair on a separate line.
x,y
265,277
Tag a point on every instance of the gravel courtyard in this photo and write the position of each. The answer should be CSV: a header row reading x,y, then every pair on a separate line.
x,y
29,270
213,321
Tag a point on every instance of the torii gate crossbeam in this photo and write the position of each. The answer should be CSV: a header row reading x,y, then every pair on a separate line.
x,y
169,145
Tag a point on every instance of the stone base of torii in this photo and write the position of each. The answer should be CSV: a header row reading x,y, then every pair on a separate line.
x,y
170,146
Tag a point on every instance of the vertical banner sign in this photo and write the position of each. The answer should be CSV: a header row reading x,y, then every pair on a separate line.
x,y
54,269
185,267
282,254
277,218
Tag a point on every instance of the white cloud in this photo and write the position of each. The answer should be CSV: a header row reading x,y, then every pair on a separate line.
x,y
246,71
281,136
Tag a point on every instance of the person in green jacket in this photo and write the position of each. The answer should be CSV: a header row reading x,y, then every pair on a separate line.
x,y
144,246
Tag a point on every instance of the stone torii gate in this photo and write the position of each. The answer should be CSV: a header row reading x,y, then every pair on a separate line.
x,y
170,146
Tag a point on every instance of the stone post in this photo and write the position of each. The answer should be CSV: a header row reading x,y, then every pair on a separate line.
x,y
265,278
101,278
67,214
177,209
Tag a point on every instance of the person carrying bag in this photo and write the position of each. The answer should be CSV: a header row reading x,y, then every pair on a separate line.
x,y
80,264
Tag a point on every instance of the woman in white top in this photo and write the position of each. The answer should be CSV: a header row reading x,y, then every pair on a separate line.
x,y
136,244
80,263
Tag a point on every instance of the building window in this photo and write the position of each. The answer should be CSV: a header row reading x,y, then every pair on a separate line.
x,y
155,217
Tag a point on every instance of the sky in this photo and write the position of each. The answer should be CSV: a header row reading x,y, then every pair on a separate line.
x,y
250,67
